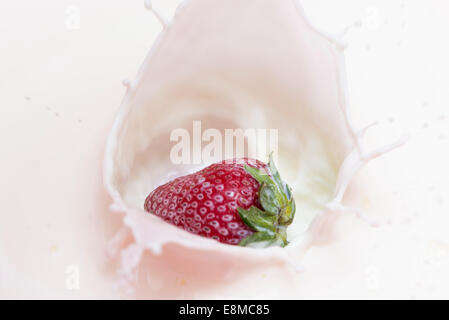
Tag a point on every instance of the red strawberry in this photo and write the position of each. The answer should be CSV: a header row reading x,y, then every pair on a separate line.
x,y
241,201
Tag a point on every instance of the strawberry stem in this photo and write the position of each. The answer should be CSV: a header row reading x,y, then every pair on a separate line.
x,y
278,205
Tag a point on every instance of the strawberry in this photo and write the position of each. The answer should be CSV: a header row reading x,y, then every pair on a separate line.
x,y
242,201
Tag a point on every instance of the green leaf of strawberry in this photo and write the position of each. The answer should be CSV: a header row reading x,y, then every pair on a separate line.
x,y
276,199
258,220
257,238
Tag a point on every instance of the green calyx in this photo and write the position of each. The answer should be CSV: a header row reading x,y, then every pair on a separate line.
x,y
275,196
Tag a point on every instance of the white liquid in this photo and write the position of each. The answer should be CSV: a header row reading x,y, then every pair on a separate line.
x,y
320,151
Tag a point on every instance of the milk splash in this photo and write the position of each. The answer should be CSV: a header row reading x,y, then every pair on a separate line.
x,y
145,233
149,6
355,160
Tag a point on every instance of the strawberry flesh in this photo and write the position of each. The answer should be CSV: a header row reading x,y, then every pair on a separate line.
x,y
206,202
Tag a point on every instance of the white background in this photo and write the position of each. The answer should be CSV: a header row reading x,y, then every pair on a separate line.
x,y
60,85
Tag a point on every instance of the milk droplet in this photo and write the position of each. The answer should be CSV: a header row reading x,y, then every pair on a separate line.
x,y
126,83
148,4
